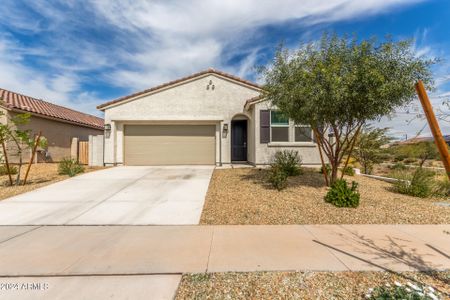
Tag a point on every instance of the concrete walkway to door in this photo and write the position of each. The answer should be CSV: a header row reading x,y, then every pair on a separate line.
x,y
145,250
122,195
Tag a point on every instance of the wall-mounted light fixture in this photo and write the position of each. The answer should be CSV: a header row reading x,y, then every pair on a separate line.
x,y
107,127
225,130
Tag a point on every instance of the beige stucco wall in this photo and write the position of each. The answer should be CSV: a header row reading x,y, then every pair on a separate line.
x,y
192,103
264,152
3,113
189,103
59,136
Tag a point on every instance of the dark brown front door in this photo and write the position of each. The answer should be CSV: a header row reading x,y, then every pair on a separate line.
x,y
239,140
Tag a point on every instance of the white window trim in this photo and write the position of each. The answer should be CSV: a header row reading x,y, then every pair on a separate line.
x,y
288,125
291,135
302,125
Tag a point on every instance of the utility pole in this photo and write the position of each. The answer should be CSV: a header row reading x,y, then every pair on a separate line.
x,y
434,126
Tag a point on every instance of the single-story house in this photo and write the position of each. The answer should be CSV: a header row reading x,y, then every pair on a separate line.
x,y
210,117
58,124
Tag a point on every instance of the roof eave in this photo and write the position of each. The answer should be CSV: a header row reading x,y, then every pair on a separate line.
x,y
249,104
177,82
17,110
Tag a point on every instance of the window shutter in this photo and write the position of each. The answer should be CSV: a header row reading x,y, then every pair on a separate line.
x,y
264,126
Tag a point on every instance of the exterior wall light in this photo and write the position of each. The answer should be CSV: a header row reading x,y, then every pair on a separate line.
x,y
107,127
225,130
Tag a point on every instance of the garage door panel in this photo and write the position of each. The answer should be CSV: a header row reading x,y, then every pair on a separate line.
x,y
169,144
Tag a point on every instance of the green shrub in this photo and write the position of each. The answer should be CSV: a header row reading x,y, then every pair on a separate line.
x,y
348,170
442,187
327,169
420,183
399,158
69,167
409,160
277,177
398,166
398,291
288,161
4,171
341,195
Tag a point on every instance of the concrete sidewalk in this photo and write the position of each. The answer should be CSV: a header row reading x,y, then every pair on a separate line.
x,y
144,250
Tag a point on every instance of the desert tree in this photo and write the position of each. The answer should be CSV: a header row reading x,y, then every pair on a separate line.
x,y
16,141
368,147
337,85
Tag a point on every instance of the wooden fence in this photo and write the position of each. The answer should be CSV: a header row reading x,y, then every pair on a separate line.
x,y
83,152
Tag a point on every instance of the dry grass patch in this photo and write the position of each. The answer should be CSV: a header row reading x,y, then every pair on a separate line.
x,y
40,175
241,196
300,285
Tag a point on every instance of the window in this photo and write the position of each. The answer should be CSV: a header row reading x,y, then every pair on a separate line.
x,y
303,133
279,127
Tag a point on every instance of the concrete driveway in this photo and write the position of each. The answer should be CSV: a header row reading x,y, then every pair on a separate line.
x,y
123,195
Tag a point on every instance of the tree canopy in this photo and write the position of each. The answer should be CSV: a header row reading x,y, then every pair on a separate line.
x,y
338,84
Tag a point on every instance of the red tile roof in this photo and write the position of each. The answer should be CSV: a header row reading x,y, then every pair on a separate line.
x,y
253,100
208,71
11,100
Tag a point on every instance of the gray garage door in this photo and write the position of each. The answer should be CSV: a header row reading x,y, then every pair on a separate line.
x,y
169,145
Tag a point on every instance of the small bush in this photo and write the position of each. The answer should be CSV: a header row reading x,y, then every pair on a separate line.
x,y
341,195
420,183
400,292
327,169
399,158
442,187
288,161
277,177
69,167
398,166
348,170
4,171
409,160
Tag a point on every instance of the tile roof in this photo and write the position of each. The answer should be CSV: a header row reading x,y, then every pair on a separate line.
x,y
253,100
208,71
12,100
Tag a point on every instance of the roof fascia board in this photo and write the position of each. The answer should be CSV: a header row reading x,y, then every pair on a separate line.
x,y
164,88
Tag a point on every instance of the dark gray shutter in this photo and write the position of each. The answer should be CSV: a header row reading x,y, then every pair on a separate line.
x,y
264,126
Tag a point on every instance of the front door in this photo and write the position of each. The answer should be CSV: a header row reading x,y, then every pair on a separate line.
x,y
239,140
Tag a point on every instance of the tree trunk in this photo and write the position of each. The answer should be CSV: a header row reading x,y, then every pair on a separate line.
x,y
422,162
355,137
319,145
19,169
334,171
33,153
8,169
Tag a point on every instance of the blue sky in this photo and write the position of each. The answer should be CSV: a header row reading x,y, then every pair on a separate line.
x,y
82,53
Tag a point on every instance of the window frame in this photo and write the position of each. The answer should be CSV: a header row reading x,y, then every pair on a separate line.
x,y
288,126
305,126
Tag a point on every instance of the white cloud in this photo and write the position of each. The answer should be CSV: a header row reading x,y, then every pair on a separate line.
x,y
135,44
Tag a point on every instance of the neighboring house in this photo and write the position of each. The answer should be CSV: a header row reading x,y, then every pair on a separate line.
x,y
207,118
58,124
421,139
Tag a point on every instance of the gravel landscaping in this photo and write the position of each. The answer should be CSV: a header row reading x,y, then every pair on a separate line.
x,y
301,285
40,175
242,196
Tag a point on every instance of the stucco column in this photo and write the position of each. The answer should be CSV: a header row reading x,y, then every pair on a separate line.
x,y
110,145
119,142
218,144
